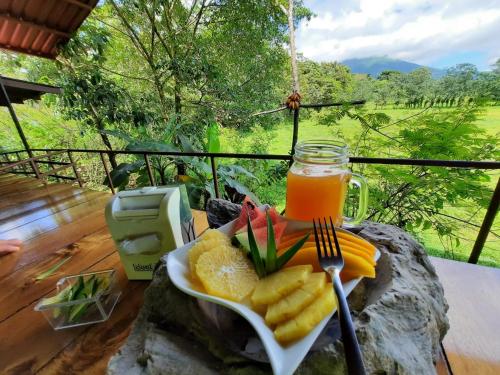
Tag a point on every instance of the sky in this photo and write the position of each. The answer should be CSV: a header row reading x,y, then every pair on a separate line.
x,y
436,33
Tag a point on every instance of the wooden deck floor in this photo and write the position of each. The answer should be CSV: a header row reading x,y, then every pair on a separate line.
x,y
59,220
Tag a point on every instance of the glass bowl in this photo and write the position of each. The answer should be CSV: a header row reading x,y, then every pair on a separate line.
x,y
82,299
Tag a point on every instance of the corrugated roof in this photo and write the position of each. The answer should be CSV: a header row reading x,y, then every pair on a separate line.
x,y
38,27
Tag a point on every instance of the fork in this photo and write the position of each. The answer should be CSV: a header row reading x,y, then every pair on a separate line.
x,y
333,263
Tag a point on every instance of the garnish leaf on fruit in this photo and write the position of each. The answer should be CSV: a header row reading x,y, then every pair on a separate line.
x,y
271,246
254,252
271,262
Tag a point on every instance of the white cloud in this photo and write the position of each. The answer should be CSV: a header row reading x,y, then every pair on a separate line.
x,y
421,31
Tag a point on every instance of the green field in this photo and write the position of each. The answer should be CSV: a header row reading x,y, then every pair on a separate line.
x,y
43,128
279,142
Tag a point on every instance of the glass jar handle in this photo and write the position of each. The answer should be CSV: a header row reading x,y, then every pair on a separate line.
x,y
360,182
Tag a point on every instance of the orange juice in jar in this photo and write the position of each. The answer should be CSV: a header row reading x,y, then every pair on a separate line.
x,y
317,183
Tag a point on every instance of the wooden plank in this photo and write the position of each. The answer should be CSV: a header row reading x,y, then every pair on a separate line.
x,y
49,190
20,288
65,235
54,221
7,176
49,210
12,179
86,354
18,187
472,344
32,341
22,208
200,221
29,189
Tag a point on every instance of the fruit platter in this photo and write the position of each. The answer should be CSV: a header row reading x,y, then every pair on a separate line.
x,y
265,268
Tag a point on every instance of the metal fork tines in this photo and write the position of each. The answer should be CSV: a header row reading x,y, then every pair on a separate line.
x,y
333,262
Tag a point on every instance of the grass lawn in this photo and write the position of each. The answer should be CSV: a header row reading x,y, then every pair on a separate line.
x,y
279,140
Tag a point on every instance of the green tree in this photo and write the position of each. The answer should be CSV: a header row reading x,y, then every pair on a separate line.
x,y
459,81
324,82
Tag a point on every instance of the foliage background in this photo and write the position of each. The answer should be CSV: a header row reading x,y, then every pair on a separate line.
x,y
190,76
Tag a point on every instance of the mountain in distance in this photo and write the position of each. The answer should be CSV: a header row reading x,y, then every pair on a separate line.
x,y
376,65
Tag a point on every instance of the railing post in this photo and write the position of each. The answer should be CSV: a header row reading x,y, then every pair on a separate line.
x,y
295,134
75,170
35,168
214,174
486,225
19,159
107,173
14,118
52,165
150,171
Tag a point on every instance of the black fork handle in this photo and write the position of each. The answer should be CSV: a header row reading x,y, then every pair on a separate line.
x,y
352,352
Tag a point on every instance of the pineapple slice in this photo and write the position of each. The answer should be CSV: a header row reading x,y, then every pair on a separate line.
x,y
211,239
277,285
304,322
226,272
295,302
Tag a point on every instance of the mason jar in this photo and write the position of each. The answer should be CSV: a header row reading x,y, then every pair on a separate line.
x,y
318,181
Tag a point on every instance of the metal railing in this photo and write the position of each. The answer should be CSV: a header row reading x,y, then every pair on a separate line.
x,y
19,166
103,154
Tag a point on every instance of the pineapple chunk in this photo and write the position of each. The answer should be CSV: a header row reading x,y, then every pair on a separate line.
x,y
295,302
305,321
277,285
211,239
214,234
226,272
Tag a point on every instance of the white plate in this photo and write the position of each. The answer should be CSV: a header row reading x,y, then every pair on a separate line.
x,y
284,360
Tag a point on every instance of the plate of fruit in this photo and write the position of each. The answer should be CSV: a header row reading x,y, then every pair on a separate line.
x,y
265,268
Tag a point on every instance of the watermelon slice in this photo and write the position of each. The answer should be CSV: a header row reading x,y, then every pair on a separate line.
x,y
261,237
258,220
248,208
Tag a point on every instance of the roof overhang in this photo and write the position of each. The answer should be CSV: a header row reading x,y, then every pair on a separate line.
x,y
19,91
40,27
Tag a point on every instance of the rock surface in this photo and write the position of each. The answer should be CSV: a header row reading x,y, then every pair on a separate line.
x,y
400,319
221,211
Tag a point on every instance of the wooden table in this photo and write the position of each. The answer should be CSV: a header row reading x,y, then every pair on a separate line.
x,y
57,220
472,345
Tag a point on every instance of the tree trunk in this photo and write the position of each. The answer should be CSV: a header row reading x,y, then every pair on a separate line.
x,y
107,143
181,166
293,52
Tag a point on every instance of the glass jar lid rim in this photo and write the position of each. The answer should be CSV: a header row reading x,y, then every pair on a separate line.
x,y
321,151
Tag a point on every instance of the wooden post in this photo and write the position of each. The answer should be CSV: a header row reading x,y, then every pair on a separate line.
x,y
75,170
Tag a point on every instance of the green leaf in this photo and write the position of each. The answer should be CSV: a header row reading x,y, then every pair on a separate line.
x,y
271,246
52,269
240,188
283,259
427,225
213,142
186,144
254,251
120,175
